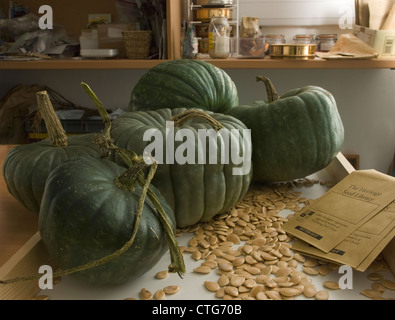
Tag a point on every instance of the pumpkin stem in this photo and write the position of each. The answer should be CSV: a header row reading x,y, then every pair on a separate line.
x,y
127,180
272,94
55,130
100,108
182,118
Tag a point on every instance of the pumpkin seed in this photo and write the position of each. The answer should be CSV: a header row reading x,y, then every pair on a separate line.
x,y
309,291
238,261
171,289
162,274
378,286
298,257
371,293
310,271
249,283
197,255
274,295
261,296
233,291
225,266
223,281
159,295
237,281
252,270
212,286
202,270
323,270
310,263
220,293
333,285
255,290
322,295
210,263
146,294
289,292
388,284
375,276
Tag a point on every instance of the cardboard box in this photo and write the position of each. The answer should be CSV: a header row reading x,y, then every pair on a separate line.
x,y
110,37
383,41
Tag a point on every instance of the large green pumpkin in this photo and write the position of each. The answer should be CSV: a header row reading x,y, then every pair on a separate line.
x,y
184,84
196,191
87,214
26,167
294,135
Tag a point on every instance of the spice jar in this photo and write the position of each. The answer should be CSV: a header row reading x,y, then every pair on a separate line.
x,y
325,42
219,37
304,39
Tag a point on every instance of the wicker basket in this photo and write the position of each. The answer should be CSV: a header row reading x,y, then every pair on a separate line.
x,y
137,43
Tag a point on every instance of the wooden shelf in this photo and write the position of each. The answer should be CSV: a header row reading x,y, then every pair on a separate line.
x,y
266,63
79,64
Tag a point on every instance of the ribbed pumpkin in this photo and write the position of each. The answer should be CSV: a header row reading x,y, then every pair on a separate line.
x,y
184,84
196,192
26,167
89,211
294,135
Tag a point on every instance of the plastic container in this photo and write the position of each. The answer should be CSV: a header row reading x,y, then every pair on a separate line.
x,y
248,48
219,38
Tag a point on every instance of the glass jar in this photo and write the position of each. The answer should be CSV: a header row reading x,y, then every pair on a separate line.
x,y
273,39
219,38
325,42
304,39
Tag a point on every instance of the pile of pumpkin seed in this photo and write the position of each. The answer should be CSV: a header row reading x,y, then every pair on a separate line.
x,y
252,255
250,251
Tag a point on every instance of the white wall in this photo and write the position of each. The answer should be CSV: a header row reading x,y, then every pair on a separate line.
x,y
365,98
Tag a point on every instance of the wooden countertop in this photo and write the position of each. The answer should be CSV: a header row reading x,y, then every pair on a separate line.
x,y
17,224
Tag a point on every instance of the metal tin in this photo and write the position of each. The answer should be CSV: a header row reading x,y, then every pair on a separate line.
x,y
205,14
293,51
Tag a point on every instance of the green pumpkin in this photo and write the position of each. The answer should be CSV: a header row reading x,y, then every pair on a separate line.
x,y
294,135
26,167
87,214
184,84
196,191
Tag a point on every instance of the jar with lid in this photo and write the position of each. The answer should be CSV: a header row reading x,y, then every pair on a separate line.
x,y
325,42
273,39
304,39
219,37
